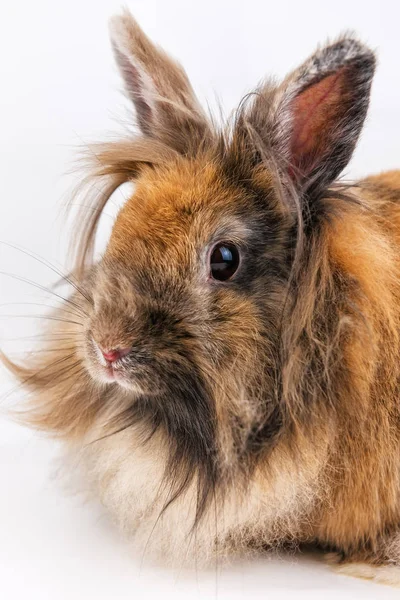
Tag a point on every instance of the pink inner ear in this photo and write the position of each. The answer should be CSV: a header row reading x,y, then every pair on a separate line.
x,y
316,111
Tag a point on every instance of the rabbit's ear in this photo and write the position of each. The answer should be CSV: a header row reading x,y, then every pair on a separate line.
x,y
165,103
315,116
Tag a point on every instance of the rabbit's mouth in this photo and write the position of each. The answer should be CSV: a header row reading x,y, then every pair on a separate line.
x,y
131,370
113,373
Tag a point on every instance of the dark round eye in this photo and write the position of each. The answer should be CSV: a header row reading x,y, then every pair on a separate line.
x,y
224,261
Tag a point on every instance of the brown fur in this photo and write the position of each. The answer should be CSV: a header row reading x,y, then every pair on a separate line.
x,y
265,410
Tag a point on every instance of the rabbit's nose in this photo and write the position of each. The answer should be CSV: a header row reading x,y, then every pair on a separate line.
x,y
113,354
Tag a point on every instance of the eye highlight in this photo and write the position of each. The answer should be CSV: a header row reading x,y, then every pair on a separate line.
x,y
224,261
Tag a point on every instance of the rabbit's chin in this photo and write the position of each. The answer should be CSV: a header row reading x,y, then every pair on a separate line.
x,y
121,377
129,479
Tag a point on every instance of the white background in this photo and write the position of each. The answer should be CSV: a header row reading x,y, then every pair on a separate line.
x,y
58,89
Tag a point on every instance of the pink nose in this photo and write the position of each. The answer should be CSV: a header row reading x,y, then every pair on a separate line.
x,y
114,354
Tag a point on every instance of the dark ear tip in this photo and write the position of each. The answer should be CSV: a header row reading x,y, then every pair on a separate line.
x,y
347,49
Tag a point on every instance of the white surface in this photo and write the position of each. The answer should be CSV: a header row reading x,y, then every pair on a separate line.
x,y
59,87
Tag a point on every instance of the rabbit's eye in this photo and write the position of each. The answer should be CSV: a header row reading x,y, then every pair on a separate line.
x,y
224,261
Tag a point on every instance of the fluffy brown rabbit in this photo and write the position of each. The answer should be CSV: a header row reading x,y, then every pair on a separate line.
x,y
229,377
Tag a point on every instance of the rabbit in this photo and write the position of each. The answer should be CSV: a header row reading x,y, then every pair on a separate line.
x,y
226,375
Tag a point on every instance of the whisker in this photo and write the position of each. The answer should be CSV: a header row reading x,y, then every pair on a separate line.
x,y
40,287
47,264
44,350
46,317
61,308
49,337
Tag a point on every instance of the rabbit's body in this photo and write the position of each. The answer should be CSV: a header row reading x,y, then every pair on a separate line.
x,y
230,377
